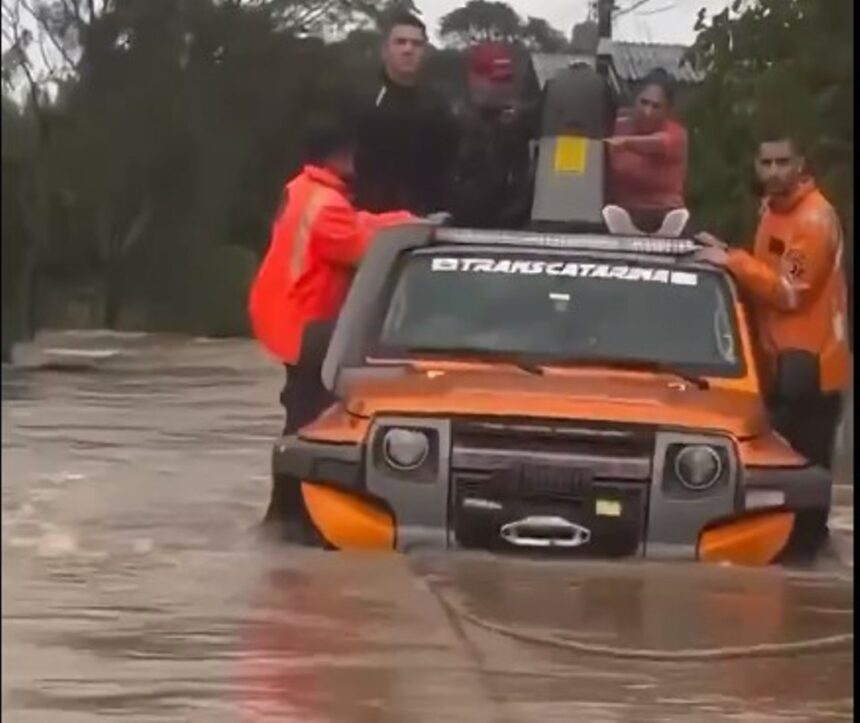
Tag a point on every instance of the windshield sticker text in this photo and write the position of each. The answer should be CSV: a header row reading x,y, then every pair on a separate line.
x,y
576,270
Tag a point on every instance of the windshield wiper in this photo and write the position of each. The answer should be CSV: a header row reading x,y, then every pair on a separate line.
x,y
536,364
646,365
466,352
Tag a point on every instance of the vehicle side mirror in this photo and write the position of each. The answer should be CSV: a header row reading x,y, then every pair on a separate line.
x,y
798,376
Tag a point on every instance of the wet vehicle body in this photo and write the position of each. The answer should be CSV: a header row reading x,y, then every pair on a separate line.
x,y
580,393
578,387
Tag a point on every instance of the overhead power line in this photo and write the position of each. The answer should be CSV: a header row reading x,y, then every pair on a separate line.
x,y
657,11
630,8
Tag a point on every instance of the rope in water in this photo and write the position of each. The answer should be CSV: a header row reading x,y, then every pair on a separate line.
x,y
759,650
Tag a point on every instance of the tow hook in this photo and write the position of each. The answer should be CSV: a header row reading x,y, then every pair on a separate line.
x,y
545,531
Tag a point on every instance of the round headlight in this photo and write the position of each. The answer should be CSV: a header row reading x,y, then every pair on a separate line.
x,y
405,449
698,468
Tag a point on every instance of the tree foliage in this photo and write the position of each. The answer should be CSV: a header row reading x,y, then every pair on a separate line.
x,y
148,140
177,124
770,63
482,20
539,36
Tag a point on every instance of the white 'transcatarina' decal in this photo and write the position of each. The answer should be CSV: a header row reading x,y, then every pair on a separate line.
x,y
576,270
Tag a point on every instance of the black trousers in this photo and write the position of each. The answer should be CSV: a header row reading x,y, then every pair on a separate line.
x,y
810,427
303,397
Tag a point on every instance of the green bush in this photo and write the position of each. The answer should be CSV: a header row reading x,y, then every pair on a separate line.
x,y
218,291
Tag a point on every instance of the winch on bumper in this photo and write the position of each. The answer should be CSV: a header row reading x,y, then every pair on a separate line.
x,y
578,487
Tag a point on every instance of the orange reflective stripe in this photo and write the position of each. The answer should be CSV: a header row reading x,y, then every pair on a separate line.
x,y
791,292
309,214
839,240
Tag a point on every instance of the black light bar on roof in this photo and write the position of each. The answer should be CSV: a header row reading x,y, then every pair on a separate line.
x,y
584,242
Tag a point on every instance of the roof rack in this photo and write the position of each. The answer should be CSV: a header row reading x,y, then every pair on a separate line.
x,y
584,242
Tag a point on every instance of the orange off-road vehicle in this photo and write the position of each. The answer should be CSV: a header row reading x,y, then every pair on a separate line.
x,y
583,393
579,387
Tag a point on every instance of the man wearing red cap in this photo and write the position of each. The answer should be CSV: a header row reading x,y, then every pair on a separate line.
x,y
491,187
491,74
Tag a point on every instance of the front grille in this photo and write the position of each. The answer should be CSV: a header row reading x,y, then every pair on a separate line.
x,y
590,474
519,486
548,437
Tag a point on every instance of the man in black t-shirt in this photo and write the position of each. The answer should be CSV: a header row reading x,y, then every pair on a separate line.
x,y
407,137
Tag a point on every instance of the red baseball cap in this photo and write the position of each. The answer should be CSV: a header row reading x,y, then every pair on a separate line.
x,y
492,61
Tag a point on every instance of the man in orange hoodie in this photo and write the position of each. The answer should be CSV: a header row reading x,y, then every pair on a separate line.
x,y
318,240
796,286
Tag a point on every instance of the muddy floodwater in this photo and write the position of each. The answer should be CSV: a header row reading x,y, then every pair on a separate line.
x,y
135,587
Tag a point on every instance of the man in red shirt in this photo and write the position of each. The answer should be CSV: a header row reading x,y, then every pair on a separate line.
x,y
648,155
318,239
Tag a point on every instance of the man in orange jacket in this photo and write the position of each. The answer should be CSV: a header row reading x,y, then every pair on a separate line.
x,y
796,286
318,239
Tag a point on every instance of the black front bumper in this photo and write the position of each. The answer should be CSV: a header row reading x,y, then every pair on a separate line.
x,y
614,514
620,515
803,488
338,465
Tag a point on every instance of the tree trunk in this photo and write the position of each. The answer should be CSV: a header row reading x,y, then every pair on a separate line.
x,y
27,295
19,315
111,296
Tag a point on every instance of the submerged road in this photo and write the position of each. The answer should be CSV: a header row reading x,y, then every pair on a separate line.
x,y
135,587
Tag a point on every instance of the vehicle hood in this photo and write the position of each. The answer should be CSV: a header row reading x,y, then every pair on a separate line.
x,y
602,395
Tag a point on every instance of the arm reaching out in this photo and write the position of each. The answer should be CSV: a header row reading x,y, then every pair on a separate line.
x,y
669,143
807,262
342,235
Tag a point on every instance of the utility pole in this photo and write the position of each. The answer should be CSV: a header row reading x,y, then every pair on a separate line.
x,y
604,9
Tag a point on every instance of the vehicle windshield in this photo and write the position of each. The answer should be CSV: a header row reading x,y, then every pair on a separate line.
x,y
557,309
